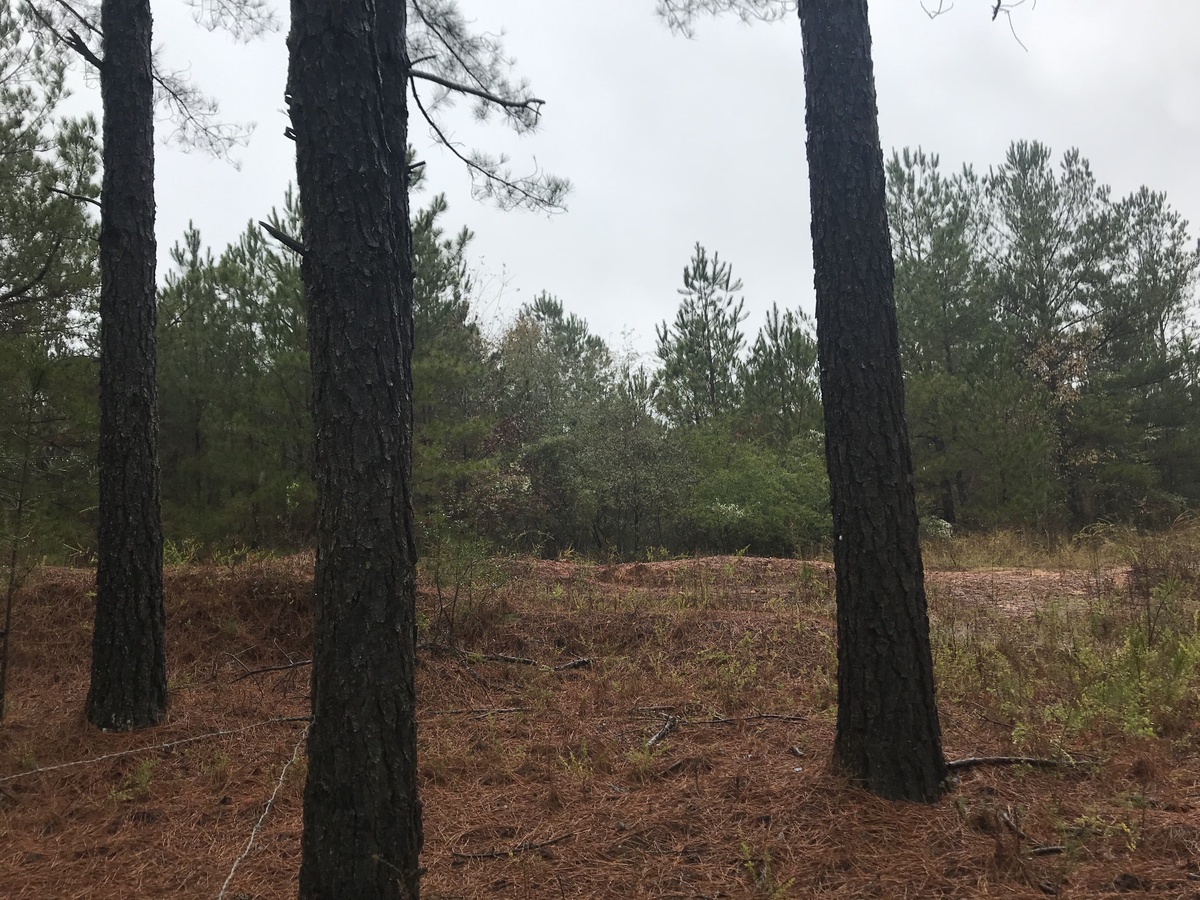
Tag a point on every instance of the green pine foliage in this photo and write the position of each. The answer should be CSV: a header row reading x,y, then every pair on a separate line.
x,y
700,351
1047,332
234,395
48,296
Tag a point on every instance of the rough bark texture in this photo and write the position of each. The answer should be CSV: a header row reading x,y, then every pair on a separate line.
x,y
362,818
888,737
129,679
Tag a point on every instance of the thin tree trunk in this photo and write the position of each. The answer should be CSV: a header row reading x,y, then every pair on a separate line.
x,y
888,736
362,817
129,678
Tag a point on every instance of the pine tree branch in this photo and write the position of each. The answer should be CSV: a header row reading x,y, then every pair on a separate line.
x,y
73,196
18,292
82,19
491,175
71,38
533,104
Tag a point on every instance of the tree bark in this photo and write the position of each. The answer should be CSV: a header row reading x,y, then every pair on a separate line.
x,y
129,681
362,817
888,736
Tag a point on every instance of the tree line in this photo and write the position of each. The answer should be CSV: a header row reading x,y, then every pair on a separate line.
x,y
1046,330
1047,334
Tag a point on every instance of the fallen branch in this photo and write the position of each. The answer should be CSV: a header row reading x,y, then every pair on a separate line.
x,y
481,712
580,663
720,720
280,668
1036,762
670,725
1048,850
520,848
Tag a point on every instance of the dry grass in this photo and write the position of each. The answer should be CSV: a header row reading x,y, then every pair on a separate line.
x,y
543,783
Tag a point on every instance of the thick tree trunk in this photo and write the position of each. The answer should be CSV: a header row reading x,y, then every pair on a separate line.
x,y
362,818
129,680
888,737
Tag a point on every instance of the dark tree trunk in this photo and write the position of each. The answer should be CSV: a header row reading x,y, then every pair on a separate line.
x,y
129,679
888,737
362,817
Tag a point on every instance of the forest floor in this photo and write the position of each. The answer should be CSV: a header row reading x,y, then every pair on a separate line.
x,y
656,730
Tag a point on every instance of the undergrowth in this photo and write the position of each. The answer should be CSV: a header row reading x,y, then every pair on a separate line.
x,y
1123,657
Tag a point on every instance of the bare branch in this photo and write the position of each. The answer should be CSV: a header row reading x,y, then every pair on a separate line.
x,y
76,43
73,196
296,247
1007,8
519,848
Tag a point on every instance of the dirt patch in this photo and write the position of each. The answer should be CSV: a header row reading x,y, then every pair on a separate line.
x,y
1021,592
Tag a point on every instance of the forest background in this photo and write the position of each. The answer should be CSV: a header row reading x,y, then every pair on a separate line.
x,y
1048,331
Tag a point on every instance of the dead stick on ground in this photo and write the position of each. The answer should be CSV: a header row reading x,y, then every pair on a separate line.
x,y
520,848
283,668
579,663
482,711
573,664
667,728
972,762
717,720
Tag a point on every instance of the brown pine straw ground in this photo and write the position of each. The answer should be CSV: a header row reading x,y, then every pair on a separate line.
x,y
544,783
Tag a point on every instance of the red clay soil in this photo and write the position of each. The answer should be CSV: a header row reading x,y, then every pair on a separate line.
x,y
685,759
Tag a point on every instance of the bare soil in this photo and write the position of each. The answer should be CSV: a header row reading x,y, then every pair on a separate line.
x,y
686,758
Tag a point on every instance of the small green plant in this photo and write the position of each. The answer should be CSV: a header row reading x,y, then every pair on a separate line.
x,y
466,580
644,760
760,869
180,681
218,766
183,553
578,763
137,785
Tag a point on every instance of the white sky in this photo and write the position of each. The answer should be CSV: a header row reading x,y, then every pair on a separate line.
x,y
670,141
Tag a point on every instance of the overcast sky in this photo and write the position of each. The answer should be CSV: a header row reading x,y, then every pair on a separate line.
x,y
670,141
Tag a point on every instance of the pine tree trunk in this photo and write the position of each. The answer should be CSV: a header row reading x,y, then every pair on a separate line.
x,y
362,819
888,736
129,680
